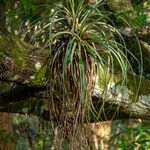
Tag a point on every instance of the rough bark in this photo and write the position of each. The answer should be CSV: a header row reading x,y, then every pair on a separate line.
x,y
6,132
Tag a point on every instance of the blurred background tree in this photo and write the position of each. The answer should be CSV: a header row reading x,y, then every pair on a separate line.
x,y
32,132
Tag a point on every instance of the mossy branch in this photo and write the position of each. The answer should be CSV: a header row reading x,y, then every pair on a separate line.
x,y
18,64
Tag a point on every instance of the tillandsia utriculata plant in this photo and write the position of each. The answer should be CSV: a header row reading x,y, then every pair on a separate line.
x,y
81,45
82,42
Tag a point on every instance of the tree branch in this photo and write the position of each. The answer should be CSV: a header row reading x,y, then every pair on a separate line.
x,y
115,107
18,93
18,64
119,107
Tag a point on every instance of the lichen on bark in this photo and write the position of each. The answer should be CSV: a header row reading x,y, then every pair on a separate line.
x,y
134,88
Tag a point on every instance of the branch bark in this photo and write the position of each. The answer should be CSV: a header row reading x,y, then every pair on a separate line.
x,y
120,108
113,107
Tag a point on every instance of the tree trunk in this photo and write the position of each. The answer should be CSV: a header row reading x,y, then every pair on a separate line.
x,y
6,132
98,135
6,135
